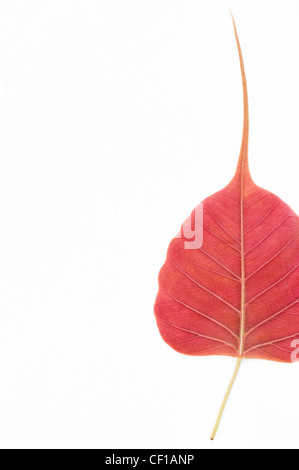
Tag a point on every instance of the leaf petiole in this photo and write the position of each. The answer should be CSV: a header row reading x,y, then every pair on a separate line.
x,y
226,398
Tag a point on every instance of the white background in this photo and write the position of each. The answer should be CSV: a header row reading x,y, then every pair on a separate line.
x,y
116,119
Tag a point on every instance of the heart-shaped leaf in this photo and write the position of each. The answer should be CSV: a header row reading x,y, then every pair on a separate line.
x,y
230,285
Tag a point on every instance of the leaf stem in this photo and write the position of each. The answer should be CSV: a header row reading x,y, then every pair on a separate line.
x,y
226,398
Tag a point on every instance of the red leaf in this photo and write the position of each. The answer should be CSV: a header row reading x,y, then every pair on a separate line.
x,y
238,293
